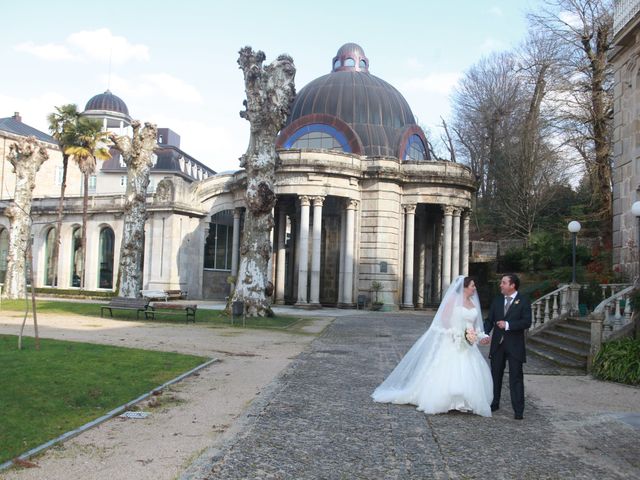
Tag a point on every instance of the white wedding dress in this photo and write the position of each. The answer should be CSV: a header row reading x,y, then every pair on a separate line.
x,y
442,371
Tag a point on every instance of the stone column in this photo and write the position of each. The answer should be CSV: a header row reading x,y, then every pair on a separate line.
x,y
465,243
316,239
437,259
409,233
235,245
446,249
280,259
303,248
429,257
422,252
455,245
347,283
343,240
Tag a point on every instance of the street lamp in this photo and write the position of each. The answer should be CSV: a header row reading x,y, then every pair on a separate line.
x,y
574,228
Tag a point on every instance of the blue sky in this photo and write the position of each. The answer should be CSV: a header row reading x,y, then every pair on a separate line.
x,y
174,63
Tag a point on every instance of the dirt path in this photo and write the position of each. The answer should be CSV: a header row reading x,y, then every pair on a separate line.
x,y
188,418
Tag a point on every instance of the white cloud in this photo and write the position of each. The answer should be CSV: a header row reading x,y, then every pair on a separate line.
x,y
497,11
99,45
159,85
48,51
441,83
491,45
414,64
33,110
102,45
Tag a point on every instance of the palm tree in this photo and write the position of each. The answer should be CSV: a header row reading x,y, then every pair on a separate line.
x,y
62,125
91,144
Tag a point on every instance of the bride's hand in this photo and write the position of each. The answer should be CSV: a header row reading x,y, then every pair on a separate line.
x,y
485,341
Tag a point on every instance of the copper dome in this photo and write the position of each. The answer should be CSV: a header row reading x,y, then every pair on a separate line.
x,y
107,102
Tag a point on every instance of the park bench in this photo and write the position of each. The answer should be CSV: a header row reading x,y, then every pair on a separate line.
x,y
155,294
122,303
159,308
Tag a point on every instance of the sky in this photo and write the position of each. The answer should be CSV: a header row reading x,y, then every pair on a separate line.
x,y
175,63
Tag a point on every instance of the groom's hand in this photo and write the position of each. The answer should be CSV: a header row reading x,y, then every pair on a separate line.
x,y
501,324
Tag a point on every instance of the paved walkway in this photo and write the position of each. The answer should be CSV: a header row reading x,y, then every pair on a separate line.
x,y
317,421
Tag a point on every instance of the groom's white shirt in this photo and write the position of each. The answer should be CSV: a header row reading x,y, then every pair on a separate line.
x,y
512,297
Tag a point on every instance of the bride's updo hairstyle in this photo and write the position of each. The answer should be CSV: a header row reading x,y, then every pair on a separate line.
x,y
465,283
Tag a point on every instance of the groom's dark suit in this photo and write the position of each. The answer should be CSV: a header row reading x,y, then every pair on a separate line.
x,y
508,345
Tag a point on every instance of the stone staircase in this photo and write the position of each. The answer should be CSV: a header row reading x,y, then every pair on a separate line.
x,y
565,343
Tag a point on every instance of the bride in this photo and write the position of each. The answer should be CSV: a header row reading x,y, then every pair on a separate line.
x,y
444,370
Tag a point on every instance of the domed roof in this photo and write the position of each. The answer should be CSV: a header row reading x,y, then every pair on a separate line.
x,y
373,110
108,102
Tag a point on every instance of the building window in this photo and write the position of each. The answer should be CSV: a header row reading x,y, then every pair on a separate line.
x,y
318,136
217,249
4,250
415,149
337,64
105,278
76,257
123,181
349,62
92,183
49,264
363,64
59,172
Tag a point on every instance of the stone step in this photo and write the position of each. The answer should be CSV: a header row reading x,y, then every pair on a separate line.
x,y
556,358
570,338
560,347
577,330
578,322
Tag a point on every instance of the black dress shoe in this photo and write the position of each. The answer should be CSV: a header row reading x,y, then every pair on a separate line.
x,y
518,416
494,408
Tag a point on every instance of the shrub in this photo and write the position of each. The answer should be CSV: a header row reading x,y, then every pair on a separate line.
x,y
619,361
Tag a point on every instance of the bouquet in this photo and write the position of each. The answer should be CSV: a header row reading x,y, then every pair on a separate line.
x,y
470,335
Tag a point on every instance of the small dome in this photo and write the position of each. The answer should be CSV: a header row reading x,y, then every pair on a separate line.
x,y
363,113
107,102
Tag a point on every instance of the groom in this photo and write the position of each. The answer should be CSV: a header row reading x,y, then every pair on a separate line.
x,y
509,317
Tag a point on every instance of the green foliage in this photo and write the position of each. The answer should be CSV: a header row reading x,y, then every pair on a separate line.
x,y
591,295
619,361
64,385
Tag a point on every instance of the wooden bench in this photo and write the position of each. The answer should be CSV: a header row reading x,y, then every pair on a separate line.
x,y
170,308
123,303
155,294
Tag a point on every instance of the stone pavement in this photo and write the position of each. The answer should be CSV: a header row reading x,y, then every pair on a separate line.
x,y
317,421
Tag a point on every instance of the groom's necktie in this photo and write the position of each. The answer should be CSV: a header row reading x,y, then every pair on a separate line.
x,y
507,304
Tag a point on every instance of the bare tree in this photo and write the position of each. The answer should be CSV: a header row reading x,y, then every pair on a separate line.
x,y
584,28
137,154
270,92
26,155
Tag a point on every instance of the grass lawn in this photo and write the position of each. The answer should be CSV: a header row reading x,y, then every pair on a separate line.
x,y
211,317
46,393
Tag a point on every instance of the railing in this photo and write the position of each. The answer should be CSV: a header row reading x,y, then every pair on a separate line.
x,y
613,315
561,301
623,12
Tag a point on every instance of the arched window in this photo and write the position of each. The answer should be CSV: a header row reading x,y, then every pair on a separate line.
x,y
105,279
318,136
49,263
217,248
337,64
76,257
349,62
363,64
415,150
4,251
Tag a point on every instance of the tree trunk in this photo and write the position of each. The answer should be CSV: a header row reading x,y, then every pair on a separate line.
x,y
270,92
137,154
55,260
26,155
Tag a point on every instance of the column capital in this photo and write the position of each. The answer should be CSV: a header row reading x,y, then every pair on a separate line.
x,y
448,209
304,200
457,212
352,204
318,200
410,208
237,212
